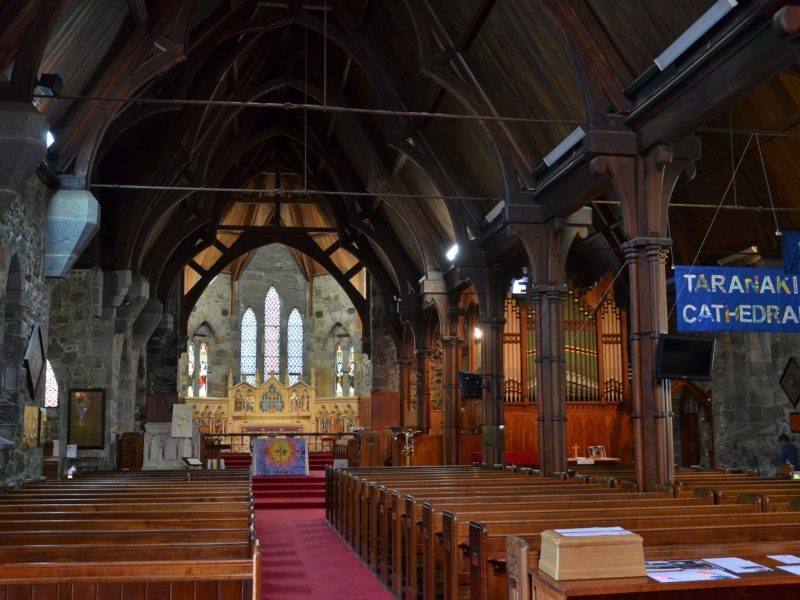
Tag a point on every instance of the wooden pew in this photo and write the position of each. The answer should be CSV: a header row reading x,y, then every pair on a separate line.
x,y
114,539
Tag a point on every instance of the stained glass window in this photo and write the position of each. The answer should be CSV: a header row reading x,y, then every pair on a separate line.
x,y
50,387
338,366
351,374
249,336
294,346
202,372
190,367
272,333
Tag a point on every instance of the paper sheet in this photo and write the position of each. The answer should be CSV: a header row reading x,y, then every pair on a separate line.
x,y
794,570
737,565
691,575
787,559
587,531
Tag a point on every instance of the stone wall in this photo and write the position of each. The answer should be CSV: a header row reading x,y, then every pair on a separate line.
x,y
91,347
384,371
750,408
163,350
332,318
23,303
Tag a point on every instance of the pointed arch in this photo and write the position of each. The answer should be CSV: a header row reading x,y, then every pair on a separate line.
x,y
272,333
249,337
294,346
190,352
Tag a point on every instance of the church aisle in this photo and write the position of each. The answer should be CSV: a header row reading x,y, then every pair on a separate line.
x,y
303,558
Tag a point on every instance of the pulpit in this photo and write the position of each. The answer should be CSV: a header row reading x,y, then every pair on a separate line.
x,y
162,451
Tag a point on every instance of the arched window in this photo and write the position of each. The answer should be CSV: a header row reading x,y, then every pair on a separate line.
x,y
338,367
351,373
190,367
272,333
294,346
202,371
249,337
50,387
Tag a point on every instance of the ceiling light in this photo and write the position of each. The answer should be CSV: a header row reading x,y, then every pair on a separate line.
x,y
565,146
700,27
50,84
451,254
50,139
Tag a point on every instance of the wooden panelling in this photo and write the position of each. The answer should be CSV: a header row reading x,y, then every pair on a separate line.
x,y
385,409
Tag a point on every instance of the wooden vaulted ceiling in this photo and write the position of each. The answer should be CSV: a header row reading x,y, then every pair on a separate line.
x,y
461,57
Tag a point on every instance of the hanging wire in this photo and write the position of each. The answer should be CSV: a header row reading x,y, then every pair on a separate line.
x,y
733,158
599,302
710,225
305,113
769,193
319,107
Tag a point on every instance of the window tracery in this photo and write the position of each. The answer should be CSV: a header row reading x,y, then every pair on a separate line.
x,y
50,387
202,371
351,375
338,366
294,346
190,367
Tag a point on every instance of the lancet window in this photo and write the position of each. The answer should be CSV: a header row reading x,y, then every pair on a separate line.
x,y
190,367
338,367
272,333
50,387
202,371
351,375
249,341
294,346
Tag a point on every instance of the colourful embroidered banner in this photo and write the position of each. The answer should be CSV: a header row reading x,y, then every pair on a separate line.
x,y
737,299
280,456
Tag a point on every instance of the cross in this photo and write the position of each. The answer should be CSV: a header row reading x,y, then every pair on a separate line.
x,y
575,449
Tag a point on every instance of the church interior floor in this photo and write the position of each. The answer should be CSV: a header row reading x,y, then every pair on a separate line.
x,y
302,557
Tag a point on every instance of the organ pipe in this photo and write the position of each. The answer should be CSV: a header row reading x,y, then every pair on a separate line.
x,y
595,346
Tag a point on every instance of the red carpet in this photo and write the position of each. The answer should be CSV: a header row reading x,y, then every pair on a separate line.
x,y
304,559
287,492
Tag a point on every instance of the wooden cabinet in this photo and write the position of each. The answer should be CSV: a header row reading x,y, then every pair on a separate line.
x,y
50,468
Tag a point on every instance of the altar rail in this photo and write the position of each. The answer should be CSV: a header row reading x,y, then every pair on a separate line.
x,y
213,443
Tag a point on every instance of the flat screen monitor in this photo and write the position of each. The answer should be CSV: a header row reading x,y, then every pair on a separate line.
x,y
685,357
470,385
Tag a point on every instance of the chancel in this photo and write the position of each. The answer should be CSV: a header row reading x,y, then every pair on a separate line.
x,y
431,299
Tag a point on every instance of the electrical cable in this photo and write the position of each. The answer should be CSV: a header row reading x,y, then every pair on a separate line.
x,y
769,193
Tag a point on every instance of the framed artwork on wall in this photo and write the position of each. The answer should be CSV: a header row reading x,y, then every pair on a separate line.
x,y
34,358
790,381
30,426
86,419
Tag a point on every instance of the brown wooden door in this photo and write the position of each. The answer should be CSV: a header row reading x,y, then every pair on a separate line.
x,y
690,440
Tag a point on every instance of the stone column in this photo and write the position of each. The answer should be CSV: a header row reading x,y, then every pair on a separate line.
x,y
451,346
551,376
423,360
23,146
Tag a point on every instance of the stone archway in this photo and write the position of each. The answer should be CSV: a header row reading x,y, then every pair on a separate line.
x,y
13,350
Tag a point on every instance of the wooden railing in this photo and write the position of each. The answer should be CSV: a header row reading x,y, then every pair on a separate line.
x,y
242,442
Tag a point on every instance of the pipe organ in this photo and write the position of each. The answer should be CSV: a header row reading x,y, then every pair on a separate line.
x,y
595,333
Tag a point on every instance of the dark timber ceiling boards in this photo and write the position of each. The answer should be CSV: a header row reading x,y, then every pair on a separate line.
x,y
547,59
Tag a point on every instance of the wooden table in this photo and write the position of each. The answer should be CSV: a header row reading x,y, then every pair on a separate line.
x,y
779,585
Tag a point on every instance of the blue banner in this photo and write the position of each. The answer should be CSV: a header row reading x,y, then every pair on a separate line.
x,y
791,251
737,299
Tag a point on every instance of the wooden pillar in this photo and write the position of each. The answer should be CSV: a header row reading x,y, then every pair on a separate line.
x,y
493,400
451,347
547,245
551,377
423,360
644,185
404,387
